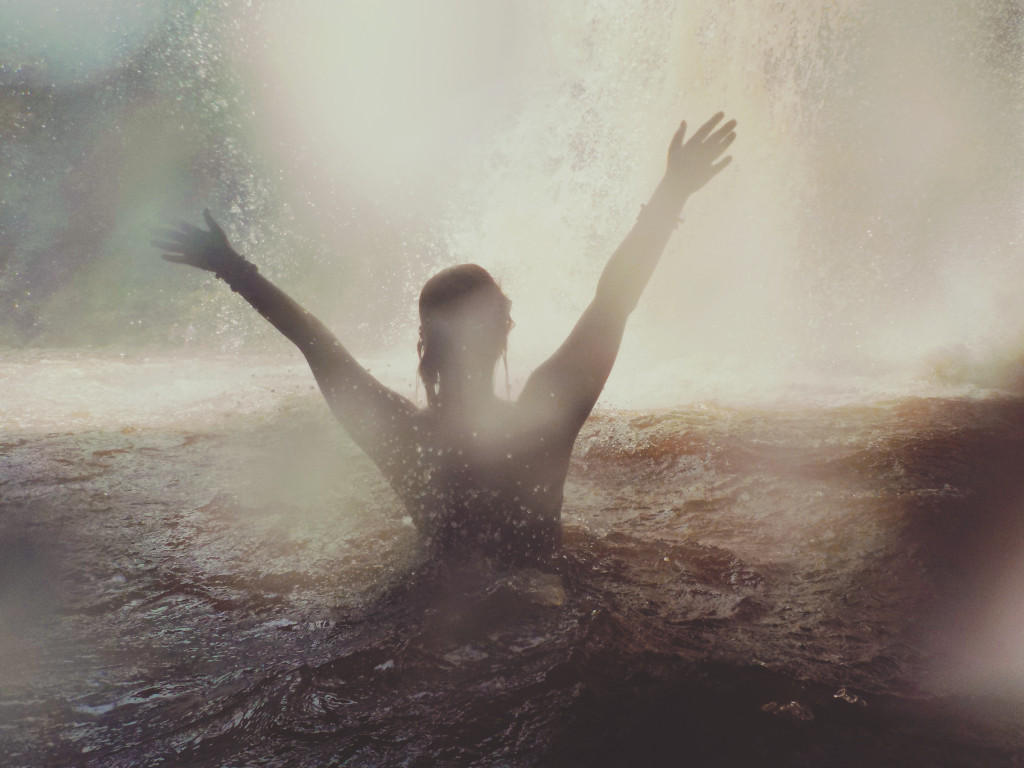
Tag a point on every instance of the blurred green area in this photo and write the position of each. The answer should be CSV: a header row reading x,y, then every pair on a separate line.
x,y
115,120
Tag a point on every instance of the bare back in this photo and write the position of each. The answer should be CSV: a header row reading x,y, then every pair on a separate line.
x,y
487,479
494,489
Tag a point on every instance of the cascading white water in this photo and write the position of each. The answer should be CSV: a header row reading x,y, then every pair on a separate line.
x,y
867,236
864,244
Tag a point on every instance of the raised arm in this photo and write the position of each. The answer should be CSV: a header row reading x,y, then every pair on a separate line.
x,y
567,385
376,418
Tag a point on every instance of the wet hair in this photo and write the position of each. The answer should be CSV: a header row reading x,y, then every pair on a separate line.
x,y
445,290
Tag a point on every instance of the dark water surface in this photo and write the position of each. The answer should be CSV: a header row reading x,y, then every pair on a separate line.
x,y
827,587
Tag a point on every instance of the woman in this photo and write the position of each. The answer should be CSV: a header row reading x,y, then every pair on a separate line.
x,y
476,473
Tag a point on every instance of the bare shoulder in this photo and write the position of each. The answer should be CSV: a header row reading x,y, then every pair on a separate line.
x,y
424,419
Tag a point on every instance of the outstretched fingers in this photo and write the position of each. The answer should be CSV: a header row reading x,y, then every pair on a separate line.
x,y
723,133
677,140
722,144
213,225
717,168
691,164
166,235
704,131
184,243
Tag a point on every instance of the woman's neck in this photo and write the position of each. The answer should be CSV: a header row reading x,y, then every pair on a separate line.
x,y
467,393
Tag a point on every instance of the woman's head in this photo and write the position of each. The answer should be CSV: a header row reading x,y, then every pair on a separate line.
x,y
464,323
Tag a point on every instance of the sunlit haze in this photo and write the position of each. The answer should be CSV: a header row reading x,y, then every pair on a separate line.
x,y
802,480
865,242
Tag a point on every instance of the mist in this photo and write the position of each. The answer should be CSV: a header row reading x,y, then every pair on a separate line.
x,y
865,241
804,469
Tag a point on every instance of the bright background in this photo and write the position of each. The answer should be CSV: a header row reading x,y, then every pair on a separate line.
x,y
865,242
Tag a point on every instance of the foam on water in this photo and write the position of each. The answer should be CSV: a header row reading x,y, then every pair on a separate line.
x,y
62,389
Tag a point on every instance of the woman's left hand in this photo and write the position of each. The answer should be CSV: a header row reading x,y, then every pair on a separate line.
x,y
692,164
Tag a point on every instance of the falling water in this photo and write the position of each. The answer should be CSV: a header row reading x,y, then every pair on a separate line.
x,y
866,241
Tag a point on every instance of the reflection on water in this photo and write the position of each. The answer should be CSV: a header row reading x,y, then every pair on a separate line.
x,y
245,587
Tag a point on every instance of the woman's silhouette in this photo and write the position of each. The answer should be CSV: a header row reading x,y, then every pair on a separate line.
x,y
477,473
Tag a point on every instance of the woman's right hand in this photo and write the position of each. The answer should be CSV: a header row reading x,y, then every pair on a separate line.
x,y
209,250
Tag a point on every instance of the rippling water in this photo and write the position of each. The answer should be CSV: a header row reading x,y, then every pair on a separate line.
x,y
237,586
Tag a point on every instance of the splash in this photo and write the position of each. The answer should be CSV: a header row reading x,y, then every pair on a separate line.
x,y
864,244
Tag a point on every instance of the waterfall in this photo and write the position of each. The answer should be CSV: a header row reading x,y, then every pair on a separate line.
x,y
865,241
